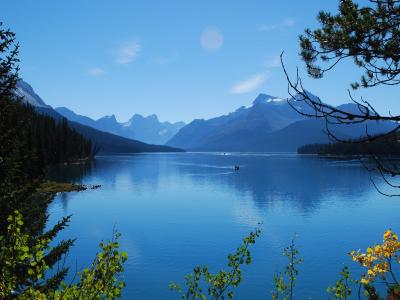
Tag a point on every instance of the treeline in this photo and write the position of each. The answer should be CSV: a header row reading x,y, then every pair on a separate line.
x,y
383,146
52,142
29,143
31,261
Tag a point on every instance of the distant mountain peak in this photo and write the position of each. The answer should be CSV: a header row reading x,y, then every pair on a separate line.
x,y
28,95
152,117
136,117
64,109
300,97
108,123
109,117
139,117
264,98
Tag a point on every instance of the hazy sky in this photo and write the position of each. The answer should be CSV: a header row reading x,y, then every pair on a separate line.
x,y
178,59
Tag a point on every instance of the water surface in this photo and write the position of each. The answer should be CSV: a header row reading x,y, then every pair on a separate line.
x,y
176,211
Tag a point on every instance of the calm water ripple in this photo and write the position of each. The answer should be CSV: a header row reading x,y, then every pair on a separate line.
x,y
176,211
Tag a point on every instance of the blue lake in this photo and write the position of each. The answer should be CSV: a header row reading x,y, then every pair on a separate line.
x,y
176,211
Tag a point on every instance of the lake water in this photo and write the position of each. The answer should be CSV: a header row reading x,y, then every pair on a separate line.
x,y
176,211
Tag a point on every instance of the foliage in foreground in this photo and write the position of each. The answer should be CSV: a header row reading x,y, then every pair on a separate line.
x,y
370,35
29,143
202,284
379,262
26,260
286,281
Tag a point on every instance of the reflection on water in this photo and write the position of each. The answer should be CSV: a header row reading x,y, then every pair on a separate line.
x,y
179,210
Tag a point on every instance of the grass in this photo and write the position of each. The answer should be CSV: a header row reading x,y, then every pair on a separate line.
x,y
59,187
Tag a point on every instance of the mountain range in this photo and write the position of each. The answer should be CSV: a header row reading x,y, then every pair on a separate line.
x,y
146,129
107,142
270,124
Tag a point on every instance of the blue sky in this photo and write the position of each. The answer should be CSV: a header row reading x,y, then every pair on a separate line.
x,y
178,59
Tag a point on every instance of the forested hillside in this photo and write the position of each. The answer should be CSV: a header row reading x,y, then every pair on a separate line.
x,y
106,142
382,146
29,142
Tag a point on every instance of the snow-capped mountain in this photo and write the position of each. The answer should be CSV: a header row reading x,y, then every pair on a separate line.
x,y
147,129
266,114
150,128
107,142
264,99
268,124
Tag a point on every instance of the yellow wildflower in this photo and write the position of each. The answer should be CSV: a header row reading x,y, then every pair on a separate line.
x,y
371,273
378,250
376,259
387,234
364,280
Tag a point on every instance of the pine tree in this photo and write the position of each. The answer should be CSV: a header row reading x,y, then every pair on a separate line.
x,y
29,143
369,35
